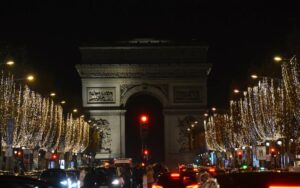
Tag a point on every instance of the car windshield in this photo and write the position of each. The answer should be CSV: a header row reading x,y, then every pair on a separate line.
x,y
72,175
106,171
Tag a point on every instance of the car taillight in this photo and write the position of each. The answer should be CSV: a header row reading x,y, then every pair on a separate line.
x,y
192,186
284,186
211,170
175,175
157,186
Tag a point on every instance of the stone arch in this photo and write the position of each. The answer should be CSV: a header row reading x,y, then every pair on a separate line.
x,y
145,89
136,105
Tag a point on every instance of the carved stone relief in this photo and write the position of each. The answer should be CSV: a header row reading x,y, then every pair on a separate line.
x,y
103,126
164,88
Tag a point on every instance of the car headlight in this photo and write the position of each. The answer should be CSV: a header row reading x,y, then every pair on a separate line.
x,y
115,182
75,184
65,182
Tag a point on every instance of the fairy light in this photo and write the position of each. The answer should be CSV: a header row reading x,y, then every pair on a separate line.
x,y
38,121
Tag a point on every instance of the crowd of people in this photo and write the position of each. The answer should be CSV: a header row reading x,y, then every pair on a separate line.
x,y
139,176
129,177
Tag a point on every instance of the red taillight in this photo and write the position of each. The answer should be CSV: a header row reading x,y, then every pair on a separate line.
x,y
211,170
175,175
186,179
157,186
192,186
195,169
284,186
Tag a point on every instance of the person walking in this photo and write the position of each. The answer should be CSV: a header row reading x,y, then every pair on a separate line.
x,y
150,175
89,179
207,181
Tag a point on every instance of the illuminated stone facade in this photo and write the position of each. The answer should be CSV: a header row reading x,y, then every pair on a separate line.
x,y
174,74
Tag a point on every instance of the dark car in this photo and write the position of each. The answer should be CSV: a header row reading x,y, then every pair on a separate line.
x,y
73,177
176,180
259,179
107,177
57,177
23,182
212,170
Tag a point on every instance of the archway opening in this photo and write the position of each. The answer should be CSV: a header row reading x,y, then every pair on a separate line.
x,y
136,139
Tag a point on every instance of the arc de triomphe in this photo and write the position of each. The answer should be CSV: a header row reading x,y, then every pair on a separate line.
x,y
176,75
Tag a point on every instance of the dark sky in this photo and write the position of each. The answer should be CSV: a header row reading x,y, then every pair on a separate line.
x,y
242,37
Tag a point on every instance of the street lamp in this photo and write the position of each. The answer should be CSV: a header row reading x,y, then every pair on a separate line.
x,y
236,91
9,63
30,77
277,58
63,102
254,76
279,142
52,94
75,110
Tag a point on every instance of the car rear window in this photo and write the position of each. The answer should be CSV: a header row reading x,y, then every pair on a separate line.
x,y
169,181
52,174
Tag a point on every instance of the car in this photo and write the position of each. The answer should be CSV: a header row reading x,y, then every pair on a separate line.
x,y
33,174
23,182
73,178
176,180
57,177
259,179
108,177
211,169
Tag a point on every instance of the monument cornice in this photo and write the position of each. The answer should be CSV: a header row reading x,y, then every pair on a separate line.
x,y
153,71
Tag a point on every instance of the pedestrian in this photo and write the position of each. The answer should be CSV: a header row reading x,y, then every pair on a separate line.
x,y
150,175
89,179
138,174
83,172
207,181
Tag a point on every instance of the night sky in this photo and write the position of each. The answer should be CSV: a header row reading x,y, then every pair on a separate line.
x,y
242,38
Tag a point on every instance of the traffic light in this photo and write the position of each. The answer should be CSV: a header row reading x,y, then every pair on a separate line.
x,y
54,156
18,153
144,119
240,154
146,152
272,151
144,126
145,155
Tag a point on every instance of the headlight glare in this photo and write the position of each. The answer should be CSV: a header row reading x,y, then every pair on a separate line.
x,y
115,182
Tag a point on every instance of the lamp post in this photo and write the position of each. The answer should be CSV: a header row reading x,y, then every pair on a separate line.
x,y
280,59
8,63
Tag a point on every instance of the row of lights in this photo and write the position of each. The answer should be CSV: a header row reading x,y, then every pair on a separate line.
x,y
31,78
75,110
255,76
192,126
